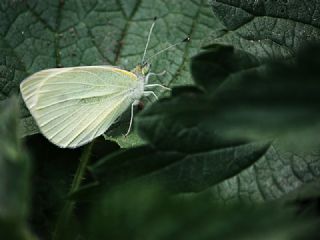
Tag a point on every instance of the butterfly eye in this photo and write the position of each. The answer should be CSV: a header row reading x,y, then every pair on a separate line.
x,y
146,68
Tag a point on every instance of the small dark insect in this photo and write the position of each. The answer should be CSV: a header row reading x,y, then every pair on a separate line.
x,y
140,105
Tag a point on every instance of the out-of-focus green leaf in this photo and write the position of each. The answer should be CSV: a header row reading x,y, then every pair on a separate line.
x,y
271,29
212,67
268,101
146,212
14,175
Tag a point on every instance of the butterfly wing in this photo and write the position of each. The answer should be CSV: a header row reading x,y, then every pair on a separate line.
x,y
72,106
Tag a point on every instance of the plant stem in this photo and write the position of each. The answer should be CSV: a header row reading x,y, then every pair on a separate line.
x,y
65,215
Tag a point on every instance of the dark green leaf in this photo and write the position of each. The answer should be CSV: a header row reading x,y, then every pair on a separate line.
x,y
178,172
269,29
213,66
280,173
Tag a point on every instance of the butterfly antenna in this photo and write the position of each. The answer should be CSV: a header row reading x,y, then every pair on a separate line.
x,y
149,35
187,39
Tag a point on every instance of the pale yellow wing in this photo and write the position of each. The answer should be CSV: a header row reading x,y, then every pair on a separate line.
x,y
72,106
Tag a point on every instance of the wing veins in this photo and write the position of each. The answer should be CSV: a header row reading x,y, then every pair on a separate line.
x,y
98,127
105,114
44,80
95,85
73,99
59,122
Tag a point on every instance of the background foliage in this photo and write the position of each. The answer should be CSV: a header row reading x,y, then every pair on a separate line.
x,y
236,140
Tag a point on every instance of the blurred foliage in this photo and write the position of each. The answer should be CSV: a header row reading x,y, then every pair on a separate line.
x,y
14,175
233,156
151,214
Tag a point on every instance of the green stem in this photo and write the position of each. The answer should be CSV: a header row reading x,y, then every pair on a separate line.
x,y
65,215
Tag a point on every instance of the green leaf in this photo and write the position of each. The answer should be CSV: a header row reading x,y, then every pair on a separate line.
x,y
181,123
35,35
14,175
267,29
279,174
151,214
176,171
308,191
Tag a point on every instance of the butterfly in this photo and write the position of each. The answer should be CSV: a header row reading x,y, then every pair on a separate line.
x,y
74,105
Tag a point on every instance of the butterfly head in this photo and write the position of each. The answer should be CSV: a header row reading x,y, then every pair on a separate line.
x,y
142,69
145,68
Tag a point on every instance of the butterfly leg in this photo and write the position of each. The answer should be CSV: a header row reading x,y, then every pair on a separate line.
x,y
148,93
153,74
157,85
135,103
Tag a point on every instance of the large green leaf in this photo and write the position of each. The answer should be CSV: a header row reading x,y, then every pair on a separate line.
x,y
278,174
267,29
193,171
35,35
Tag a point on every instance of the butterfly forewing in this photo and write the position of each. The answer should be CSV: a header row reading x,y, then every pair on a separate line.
x,y
72,106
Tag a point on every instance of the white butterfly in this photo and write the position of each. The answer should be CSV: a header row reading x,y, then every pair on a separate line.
x,y
74,105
